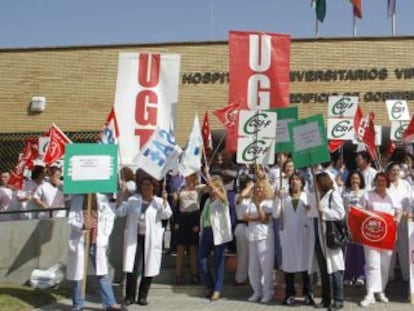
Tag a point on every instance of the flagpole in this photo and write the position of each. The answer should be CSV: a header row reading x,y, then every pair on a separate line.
x,y
393,24
354,25
316,27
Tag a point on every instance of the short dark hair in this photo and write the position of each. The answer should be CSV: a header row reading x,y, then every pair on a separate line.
x,y
298,175
384,175
361,178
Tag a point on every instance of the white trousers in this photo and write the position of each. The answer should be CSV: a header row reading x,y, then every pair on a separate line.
x,y
261,258
401,247
242,245
377,269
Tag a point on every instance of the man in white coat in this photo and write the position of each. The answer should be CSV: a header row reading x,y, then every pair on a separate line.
x,y
143,238
100,226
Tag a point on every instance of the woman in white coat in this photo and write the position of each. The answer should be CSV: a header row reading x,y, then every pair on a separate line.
x,y
100,226
295,227
330,261
143,238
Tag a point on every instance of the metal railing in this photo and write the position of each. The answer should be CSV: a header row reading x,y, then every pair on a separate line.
x,y
49,211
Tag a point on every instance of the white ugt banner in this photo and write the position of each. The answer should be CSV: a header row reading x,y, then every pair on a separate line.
x,y
146,98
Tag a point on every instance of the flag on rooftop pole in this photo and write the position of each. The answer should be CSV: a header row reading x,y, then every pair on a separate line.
x,y
357,12
320,12
391,13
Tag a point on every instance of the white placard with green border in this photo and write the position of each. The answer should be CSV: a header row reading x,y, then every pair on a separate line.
x,y
340,129
255,151
340,106
378,136
397,129
397,110
310,145
257,123
90,168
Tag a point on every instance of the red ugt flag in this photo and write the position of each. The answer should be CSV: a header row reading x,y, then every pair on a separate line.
x,y
30,153
372,228
408,135
259,70
56,147
206,133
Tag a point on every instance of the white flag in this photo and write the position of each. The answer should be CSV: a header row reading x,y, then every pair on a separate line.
x,y
191,158
159,154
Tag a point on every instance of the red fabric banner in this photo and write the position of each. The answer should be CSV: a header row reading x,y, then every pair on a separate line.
x,y
372,228
357,8
206,133
335,145
228,116
56,147
259,70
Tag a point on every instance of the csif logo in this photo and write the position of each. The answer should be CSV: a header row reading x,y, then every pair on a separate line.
x,y
256,123
340,129
397,110
342,105
398,134
254,150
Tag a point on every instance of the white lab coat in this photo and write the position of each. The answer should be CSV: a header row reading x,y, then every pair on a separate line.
x,y
106,217
334,257
154,231
294,237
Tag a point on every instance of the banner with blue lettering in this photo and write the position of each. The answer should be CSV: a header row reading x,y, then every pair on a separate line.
x,y
159,154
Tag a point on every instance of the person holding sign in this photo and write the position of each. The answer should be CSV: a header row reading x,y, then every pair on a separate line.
x,y
377,266
215,233
330,261
97,227
294,237
260,234
143,237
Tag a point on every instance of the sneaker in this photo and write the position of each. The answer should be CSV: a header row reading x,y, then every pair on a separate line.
x,y
359,282
382,298
254,298
289,301
347,282
368,300
216,296
266,299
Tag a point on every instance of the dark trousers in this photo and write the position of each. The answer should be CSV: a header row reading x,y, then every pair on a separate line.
x,y
139,268
290,284
333,281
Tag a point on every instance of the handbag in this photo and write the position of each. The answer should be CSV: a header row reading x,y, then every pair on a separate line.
x,y
337,234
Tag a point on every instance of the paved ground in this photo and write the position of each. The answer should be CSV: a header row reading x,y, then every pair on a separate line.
x,y
183,298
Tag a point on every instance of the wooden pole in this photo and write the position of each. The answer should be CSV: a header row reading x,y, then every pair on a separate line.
x,y
87,243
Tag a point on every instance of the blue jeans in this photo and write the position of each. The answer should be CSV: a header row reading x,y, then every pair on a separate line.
x,y
206,246
105,286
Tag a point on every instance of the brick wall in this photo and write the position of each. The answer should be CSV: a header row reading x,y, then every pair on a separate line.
x,y
79,82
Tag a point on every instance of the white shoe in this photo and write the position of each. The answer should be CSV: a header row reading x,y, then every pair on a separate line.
x,y
381,297
368,300
254,298
266,299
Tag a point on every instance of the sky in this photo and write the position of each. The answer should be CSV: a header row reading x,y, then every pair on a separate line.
x,y
50,23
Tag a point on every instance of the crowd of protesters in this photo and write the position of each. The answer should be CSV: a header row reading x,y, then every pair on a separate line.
x,y
271,217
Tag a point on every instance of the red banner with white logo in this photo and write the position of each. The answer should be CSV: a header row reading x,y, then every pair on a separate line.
x,y
146,98
372,228
259,70
56,147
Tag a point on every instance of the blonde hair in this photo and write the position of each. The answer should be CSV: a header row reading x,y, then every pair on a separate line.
x,y
266,187
217,181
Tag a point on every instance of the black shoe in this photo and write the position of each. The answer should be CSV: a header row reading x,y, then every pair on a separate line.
x,y
142,301
115,308
309,300
322,304
128,301
336,306
289,301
